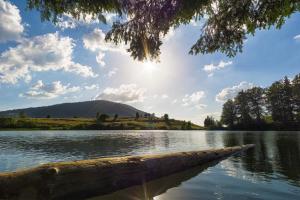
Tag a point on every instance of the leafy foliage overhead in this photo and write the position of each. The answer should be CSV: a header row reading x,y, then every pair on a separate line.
x,y
226,22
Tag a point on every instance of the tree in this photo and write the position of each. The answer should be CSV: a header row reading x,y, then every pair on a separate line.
x,y
227,22
228,116
137,116
97,115
251,109
152,116
189,125
22,114
296,97
287,101
166,118
209,122
256,103
48,116
183,125
274,101
280,100
242,108
115,117
102,118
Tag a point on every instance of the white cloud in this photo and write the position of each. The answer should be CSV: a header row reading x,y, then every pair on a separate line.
x,y
211,68
112,72
231,92
68,22
126,93
194,99
170,34
158,96
95,42
40,53
99,59
197,23
48,91
11,26
91,87
174,101
164,96
297,37
111,17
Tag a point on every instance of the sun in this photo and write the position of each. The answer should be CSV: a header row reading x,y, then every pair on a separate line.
x,y
149,67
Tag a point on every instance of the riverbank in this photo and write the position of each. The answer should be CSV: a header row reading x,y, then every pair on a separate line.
x,y
93,124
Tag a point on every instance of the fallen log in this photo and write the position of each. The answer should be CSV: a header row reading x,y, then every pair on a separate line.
x,y
87,178
149,190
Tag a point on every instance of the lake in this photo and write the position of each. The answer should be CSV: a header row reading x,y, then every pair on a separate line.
x,y
269,171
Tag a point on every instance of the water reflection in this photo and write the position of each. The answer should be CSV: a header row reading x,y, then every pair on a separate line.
x,y
276,154
152,189
271,169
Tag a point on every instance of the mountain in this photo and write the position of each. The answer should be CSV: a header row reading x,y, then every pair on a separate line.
x,y
86,109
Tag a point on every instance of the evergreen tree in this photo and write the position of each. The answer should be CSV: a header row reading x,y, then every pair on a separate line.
x,y
296,97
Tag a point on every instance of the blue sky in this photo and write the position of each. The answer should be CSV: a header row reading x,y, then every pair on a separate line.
x,y
44,64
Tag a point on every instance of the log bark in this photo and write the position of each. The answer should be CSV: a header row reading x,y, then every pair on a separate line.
x,y
87,178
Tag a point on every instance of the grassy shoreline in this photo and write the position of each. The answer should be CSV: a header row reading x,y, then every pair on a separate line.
x,y
93,124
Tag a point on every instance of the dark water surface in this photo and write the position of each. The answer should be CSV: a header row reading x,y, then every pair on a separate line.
x,y
270,171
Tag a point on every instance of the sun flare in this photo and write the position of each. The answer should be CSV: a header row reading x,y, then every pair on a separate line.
x,y
149,67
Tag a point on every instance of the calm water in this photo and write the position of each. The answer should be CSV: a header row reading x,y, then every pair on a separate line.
x,y
270,171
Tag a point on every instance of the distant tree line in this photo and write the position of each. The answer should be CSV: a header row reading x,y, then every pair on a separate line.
x,y
211,123
276,107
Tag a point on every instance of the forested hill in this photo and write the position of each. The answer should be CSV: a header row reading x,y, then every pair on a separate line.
x,y
87,109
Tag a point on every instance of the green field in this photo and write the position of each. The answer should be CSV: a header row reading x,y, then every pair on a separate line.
x,y
93,124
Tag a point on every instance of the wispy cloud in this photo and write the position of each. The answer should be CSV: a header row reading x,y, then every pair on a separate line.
x,y
211,68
